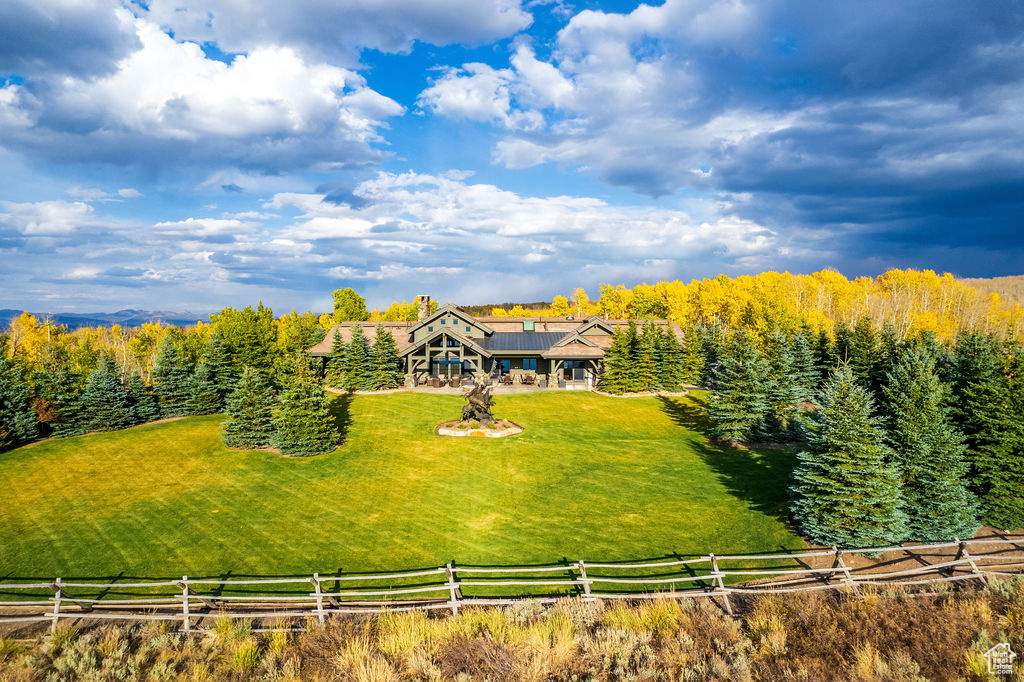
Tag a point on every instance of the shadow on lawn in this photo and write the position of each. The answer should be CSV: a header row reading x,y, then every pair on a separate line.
x,y
341,411
759,477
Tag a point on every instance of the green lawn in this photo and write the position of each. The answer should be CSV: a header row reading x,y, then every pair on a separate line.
x,y
592,477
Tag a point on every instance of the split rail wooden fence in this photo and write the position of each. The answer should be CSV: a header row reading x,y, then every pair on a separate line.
x,y
190,601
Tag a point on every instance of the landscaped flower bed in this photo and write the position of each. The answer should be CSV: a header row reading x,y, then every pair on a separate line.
x,y
472,429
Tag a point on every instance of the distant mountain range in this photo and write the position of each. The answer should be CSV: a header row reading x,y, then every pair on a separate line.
x,y
125,318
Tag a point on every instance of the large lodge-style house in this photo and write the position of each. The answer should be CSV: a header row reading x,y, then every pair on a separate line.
x,y
449,345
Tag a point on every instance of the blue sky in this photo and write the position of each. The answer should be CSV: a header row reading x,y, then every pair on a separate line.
x,y
197,154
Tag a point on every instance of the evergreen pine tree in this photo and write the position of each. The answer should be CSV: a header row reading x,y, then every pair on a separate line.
x,y
203,396
18,422
141,401
826,355
886,356
863,352
712,346
358,363
223,375
249,424
844,492
104,401
693,360
742,386
171,376
336,363
671,372
928,452
805,370
303,424
784,395
60,386
633,378
614,374
386,370
648,357
983,404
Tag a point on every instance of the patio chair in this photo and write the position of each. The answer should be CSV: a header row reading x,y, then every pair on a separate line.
x,y
455,382
436,382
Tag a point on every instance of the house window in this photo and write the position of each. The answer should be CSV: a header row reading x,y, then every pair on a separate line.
x,y
467,327
527,325
530,363
444,321
506,365
430,329
452,342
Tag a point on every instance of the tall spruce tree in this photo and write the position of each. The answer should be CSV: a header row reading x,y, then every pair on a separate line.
x,y
386,370
647,359
826,355
303,425
358,363
18,422
141,401
217,359
928,452
845,493
250,412
863,352
633,380
172,379
60,386
693,360
671,373
713,346
805,370
614,366
203,394
741,382
104,401
783,393
336,363
983,407
887,353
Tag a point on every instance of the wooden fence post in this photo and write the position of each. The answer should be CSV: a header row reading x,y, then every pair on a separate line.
x,y
319,598
453,591
847,576
186,625
583,579
56,605
719,584
962,553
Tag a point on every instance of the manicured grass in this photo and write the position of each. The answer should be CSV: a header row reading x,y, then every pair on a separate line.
x,y
592,477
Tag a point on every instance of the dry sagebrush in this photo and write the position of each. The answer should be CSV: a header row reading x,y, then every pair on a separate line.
x,y
815,636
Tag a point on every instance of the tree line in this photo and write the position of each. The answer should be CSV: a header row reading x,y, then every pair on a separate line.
x,y
899,440
912,301
244,363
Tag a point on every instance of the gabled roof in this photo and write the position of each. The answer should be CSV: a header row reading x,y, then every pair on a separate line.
x,y
399,330
466,340
452,309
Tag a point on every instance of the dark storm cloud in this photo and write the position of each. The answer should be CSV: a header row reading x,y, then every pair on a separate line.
x,y
83,38
895,119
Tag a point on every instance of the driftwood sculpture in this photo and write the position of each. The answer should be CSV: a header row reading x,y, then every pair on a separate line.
x,y
478,403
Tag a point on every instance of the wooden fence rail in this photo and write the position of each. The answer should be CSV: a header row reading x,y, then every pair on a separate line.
x,y
191,600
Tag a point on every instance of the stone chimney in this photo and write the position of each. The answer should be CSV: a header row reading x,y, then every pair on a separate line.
x,y
422,307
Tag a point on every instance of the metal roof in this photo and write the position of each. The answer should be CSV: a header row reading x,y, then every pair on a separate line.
x,y
521,341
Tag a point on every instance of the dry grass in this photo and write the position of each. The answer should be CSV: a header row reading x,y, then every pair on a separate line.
x,y
889,636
